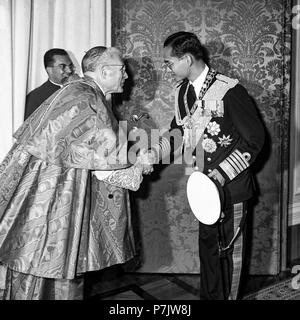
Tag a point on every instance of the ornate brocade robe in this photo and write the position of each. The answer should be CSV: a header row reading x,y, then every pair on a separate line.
x,y
56,219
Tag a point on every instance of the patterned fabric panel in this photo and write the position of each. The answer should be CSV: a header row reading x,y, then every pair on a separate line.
x,y
39,233
107,236
41,230
20,286
75,128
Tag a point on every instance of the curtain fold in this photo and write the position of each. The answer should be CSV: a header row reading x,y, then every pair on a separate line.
x,y
28,28
14,43
6,76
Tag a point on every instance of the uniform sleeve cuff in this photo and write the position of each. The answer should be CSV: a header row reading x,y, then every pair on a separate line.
x,y
234,164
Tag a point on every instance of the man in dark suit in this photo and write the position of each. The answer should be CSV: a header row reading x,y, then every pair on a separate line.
x,y
59,68
232,136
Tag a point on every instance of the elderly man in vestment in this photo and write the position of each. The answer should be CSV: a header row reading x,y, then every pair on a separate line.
x,y
64,205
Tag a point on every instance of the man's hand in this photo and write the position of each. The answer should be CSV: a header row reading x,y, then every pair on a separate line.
x,y
145,159
216,175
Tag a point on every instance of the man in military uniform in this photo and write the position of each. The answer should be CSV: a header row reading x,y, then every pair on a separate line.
x,y
230,136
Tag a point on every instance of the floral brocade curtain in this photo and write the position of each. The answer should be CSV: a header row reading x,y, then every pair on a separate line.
x,y
248,40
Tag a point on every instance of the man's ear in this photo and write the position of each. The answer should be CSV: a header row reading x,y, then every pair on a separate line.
x,y
49,71
190,59
103,71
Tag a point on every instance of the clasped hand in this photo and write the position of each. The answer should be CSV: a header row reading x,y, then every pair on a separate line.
x,y
145,159
216,175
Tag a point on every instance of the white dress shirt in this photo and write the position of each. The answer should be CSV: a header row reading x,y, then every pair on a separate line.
x,y
57,84
198,82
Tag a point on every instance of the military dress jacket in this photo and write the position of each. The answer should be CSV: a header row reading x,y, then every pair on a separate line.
x,y
231,140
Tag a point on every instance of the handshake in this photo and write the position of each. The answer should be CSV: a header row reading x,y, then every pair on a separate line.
x,y
145,161
129,178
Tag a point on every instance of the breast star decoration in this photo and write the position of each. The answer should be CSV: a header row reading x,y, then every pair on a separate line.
x,y
209,145
224,141
213,128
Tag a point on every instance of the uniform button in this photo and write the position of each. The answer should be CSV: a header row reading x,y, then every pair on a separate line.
x,y
208,159
209,170
194,157
110,196
196,168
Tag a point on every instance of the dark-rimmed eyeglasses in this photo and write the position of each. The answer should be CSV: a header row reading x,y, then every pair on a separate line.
x,y
168,64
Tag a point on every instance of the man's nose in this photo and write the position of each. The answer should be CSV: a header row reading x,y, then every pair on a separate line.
x,y
69,69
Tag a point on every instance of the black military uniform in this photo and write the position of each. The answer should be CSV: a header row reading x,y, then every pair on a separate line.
x,y
231,143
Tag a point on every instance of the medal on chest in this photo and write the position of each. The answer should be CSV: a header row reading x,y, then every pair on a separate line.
x,y
199,115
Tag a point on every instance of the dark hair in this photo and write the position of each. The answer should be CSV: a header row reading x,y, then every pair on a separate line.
x,y
48,56
185,42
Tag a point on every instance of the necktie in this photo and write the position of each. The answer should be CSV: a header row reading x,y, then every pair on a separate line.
x,y
191,96
188,148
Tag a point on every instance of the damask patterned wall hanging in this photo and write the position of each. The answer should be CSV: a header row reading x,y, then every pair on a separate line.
x,y
246,39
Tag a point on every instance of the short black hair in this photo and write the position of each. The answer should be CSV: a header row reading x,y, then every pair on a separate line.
x,y
48,56
183,42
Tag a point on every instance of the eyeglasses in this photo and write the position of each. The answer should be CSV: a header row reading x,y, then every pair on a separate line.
x,y
63,66
123,67
170,64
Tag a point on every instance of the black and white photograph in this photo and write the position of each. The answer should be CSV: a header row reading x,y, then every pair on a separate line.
x,y
150,153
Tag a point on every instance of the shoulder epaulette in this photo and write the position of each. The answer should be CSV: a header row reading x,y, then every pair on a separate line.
x,y
220,87
226,79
